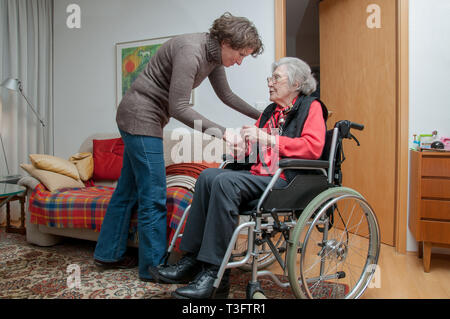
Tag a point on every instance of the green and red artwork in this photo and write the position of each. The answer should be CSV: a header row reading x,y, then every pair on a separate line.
x,y
134,61
131,60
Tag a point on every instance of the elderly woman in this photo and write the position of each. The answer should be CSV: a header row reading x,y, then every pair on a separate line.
x,y
293,126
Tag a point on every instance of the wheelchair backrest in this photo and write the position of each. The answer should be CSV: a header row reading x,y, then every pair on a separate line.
x,y
327,147
331,151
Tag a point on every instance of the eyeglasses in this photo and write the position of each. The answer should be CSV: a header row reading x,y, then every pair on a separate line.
x,y
274,79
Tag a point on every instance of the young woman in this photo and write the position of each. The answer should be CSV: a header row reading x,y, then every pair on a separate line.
x,y
160,92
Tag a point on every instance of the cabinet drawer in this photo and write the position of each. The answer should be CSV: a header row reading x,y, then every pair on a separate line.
x,y
436,232
436,166
435,188
435,209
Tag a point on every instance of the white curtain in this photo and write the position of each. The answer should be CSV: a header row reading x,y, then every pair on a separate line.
x,y
26,53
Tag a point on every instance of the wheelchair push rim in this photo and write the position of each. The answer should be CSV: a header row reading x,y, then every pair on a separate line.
x,y
338,262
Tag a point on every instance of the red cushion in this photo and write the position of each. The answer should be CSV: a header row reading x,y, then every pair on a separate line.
x,y
108,158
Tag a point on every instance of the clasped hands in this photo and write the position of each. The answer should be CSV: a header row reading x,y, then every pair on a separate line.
x,y
239,142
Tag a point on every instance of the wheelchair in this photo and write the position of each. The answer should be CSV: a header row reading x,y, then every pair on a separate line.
x,y
324,236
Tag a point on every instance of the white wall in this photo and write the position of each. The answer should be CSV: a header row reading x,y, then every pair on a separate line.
x,y
84,59
429,100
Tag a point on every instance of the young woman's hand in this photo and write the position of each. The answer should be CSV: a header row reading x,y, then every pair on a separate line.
x,y
254,134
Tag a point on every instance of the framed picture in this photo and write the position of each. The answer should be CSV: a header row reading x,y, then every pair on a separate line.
x,y
131,60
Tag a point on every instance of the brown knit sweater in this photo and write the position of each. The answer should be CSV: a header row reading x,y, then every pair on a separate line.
x,y
164,88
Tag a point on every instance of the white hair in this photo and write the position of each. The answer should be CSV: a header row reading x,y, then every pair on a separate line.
x,y
299,72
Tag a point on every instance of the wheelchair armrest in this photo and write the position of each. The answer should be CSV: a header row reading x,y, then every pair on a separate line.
x,y
302,163
231,163
228,158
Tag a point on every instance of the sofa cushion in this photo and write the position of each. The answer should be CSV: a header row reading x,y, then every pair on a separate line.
x,y
108,157
51,180
84,163
54,164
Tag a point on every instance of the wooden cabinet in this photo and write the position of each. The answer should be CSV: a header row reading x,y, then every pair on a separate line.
x,y
429,201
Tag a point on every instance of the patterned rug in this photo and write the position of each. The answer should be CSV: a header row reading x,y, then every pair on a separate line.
x,y
32,272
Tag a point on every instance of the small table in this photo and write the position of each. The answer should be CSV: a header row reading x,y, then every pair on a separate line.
x,y
11,179
9,193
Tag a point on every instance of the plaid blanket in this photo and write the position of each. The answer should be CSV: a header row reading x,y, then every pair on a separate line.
x,y
70,208
178,199
86,207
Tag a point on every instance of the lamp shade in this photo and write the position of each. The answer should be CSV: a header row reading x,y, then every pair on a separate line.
x,y
11,84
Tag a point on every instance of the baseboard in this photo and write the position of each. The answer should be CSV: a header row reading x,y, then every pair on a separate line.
x,y
436,250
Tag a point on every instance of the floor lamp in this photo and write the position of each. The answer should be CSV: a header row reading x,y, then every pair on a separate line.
x,y
16,85
1,139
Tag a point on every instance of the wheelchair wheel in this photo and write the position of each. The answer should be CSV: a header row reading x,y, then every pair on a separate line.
x,y
334,261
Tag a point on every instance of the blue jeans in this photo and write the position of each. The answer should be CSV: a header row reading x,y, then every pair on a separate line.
x,y
142,182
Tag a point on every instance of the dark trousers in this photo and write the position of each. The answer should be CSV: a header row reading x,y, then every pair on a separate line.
x,y
214,213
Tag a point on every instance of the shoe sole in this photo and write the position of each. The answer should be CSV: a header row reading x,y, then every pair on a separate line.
x,y
147,280
177,296
163,280
222,295
107,267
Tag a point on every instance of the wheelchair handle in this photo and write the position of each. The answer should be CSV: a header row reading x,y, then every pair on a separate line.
x,y
345,127
356,126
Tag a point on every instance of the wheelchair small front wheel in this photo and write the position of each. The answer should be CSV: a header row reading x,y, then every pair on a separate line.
x,y
254,291
334,260
259,295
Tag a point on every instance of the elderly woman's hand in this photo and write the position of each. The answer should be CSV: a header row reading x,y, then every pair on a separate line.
x,y
254,134
232,138
235,143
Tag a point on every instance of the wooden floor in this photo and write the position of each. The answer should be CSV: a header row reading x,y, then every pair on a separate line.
x,y
402,277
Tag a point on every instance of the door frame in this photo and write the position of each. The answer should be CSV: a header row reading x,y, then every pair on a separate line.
x,y
402,98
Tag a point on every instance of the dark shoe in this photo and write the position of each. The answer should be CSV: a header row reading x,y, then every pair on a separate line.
x,y
180,273
124,263
202,287
146,279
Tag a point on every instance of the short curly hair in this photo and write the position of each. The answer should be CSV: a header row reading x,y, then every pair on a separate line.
x,y
238,32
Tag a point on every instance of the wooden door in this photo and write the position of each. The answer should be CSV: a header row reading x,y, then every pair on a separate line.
x,y
358,71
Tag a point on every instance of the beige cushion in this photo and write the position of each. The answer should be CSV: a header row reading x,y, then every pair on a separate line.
x,y
51,180
85,165
55,164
